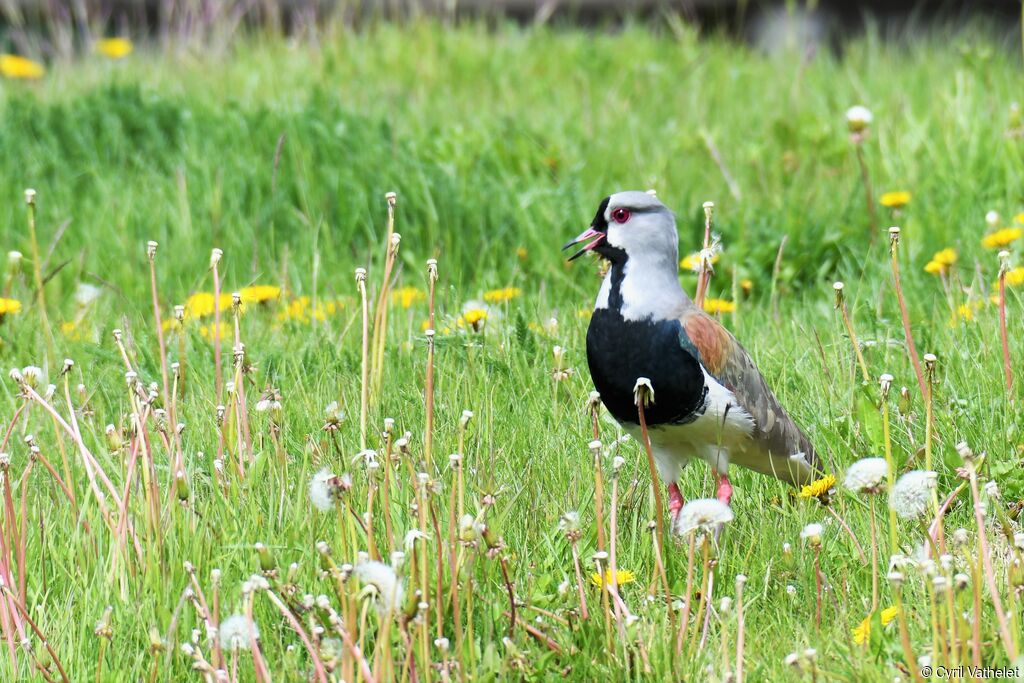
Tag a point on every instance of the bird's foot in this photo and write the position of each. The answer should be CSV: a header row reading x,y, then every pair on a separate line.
x,y
675,502
724,488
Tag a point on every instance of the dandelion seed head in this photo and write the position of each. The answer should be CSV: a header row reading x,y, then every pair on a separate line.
x,y
867,475
704,515
236,632
384,580
858,117
812,534
911,494
320,493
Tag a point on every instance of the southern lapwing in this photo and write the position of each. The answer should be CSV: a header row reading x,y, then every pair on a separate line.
x,y
709,399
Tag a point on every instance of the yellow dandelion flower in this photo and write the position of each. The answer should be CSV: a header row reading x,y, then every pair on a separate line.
x,y
747,285
692,261
965,312
895,200
584,313
1002,238
521,253
114,48
14,66
717,306
500,296
200,304
819,488
258,294
208,331
407,296
170,324
72,330
863,631
621,576
472,317
1014,277
9,306
942,261
1019,218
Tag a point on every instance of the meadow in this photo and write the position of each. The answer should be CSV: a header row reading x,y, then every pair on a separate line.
x,y
204,467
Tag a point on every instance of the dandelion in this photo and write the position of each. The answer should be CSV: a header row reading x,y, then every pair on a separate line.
x,y
867,475
693,261
812,534
718,306
321,494
706,515
819,489
9,306
114,48
941,262
500,296
237,631
475,314
895,200
1014,277
858,118
912,493
201,304
407,296
621,576
862,632
1001,238
258,294
992,219
387,591
569,525
33,375
15,66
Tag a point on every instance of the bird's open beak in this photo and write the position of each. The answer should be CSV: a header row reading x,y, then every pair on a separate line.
x,y
583,236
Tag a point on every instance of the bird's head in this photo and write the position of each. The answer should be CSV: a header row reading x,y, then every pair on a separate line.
x,y
631,226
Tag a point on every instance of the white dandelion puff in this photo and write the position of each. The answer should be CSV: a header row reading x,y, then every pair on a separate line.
x,y
912,493
237,631
866,475
387,590
320,493
812,533
858,117
702,515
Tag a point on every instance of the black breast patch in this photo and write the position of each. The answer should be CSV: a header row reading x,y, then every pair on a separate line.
x,y
619,351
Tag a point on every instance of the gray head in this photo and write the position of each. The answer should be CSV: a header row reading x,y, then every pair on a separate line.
x,y
632,226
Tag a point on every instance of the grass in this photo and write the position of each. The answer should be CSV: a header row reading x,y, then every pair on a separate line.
x,y
499,145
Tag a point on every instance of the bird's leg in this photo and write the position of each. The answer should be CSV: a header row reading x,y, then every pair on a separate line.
x,y
724,487
675,501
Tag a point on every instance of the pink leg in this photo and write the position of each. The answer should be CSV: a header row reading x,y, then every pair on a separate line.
x,y
675,500
724,488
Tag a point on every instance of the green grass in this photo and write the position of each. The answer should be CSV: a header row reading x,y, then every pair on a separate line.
x,y
500,145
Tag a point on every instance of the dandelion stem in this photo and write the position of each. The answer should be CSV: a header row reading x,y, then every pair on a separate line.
x,y
865,178
364,359
659,511
1007,368
216,327
894,241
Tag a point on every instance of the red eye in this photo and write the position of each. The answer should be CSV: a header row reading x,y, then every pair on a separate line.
x,y
620,215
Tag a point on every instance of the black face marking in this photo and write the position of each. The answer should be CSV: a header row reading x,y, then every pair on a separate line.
x,y
599,223
619,351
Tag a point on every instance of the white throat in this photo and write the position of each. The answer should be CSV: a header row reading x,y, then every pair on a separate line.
x,y
641,290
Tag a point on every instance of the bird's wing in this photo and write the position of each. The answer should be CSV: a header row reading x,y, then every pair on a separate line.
x,y
731,365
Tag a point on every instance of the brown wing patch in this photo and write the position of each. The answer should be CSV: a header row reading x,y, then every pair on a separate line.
x,y
711,339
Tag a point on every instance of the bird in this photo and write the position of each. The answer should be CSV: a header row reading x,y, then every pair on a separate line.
x,y
709,400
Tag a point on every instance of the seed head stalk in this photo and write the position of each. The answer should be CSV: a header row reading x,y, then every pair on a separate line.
x,y
365,369
845,314
380,318
644,394
886,383
37,276
704,278
428,435
894,242
1004,266
215,257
